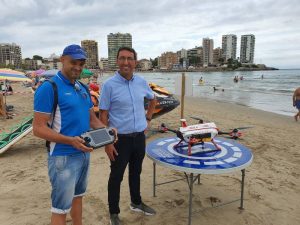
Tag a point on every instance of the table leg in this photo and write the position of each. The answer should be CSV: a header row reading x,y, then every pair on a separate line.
x,y
154,179
242,190
191,184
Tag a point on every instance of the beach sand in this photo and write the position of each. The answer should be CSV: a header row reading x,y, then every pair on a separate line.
x,y
272,185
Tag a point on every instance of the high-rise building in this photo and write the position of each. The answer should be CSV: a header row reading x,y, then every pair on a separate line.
x,y
91,48
247,48
229,42
217,56
114,42
10,54
208,46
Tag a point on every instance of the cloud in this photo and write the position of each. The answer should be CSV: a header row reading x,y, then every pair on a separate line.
x,y
44,27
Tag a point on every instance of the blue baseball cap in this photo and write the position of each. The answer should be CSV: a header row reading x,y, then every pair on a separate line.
x,y
75,52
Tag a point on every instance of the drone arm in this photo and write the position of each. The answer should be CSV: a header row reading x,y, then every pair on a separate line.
x,y
221,133
177,132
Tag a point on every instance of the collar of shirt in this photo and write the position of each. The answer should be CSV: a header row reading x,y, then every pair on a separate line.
x,y
121,78
64,79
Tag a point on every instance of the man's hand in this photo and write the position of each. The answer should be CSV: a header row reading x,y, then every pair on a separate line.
x,y
78,143
115,134
148,126
111,152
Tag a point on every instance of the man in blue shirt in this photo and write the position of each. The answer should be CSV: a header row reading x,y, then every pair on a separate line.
x,y
68,160
122,106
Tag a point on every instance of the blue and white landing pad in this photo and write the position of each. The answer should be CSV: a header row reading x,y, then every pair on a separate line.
x,y
232,156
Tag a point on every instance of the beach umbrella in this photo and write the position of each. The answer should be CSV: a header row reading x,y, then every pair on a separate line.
x,y
13,75
86,73
39,72
49,73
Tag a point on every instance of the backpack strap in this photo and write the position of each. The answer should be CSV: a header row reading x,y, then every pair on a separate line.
x,y
55,103
85,86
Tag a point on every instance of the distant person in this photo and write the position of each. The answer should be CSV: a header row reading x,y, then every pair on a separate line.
x,y
241,78
262,76
216,89
68,157
3,112
296,102
235,79
122,106
9,89
201,81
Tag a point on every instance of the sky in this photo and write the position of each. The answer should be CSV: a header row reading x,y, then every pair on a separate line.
x,y
46,27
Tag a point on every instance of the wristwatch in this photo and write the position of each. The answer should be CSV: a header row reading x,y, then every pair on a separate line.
x,y
148,118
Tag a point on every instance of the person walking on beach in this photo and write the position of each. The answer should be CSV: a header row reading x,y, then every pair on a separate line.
x,y
296,102
122,106
68,157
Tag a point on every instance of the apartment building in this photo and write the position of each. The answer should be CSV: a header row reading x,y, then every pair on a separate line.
x,y
91,48
167,60
195,56
217,56
229,43
208,46
114,42
10,54
247,48
144,64
104,64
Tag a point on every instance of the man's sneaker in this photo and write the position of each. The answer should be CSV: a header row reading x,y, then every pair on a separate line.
x,y
142,208
114,219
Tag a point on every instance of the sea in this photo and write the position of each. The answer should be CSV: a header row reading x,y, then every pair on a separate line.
x,y
270,90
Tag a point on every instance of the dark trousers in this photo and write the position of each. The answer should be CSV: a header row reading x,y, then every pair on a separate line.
x,y
131,150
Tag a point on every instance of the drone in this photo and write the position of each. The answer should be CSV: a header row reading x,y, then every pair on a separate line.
x,y
200,133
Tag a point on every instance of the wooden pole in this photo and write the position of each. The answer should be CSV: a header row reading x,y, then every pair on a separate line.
x,y
182,95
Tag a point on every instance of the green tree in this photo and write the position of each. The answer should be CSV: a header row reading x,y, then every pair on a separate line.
x,y
37,57
154,62
10,66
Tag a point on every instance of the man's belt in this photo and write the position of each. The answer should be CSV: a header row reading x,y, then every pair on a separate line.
x,y
134,134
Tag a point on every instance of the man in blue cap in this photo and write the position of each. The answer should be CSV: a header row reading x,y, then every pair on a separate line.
x,y
68,158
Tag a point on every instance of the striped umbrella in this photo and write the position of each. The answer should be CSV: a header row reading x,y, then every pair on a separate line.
x,y
49,73
13,75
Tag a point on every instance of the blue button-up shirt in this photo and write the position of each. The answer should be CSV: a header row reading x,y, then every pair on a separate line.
x,y
124,100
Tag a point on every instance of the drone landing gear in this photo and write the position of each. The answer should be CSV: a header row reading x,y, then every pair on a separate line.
x,y
189,149
217,147
191,144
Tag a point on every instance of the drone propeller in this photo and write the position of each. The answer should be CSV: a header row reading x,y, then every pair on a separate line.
x,y
242,128
234,133
197,118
